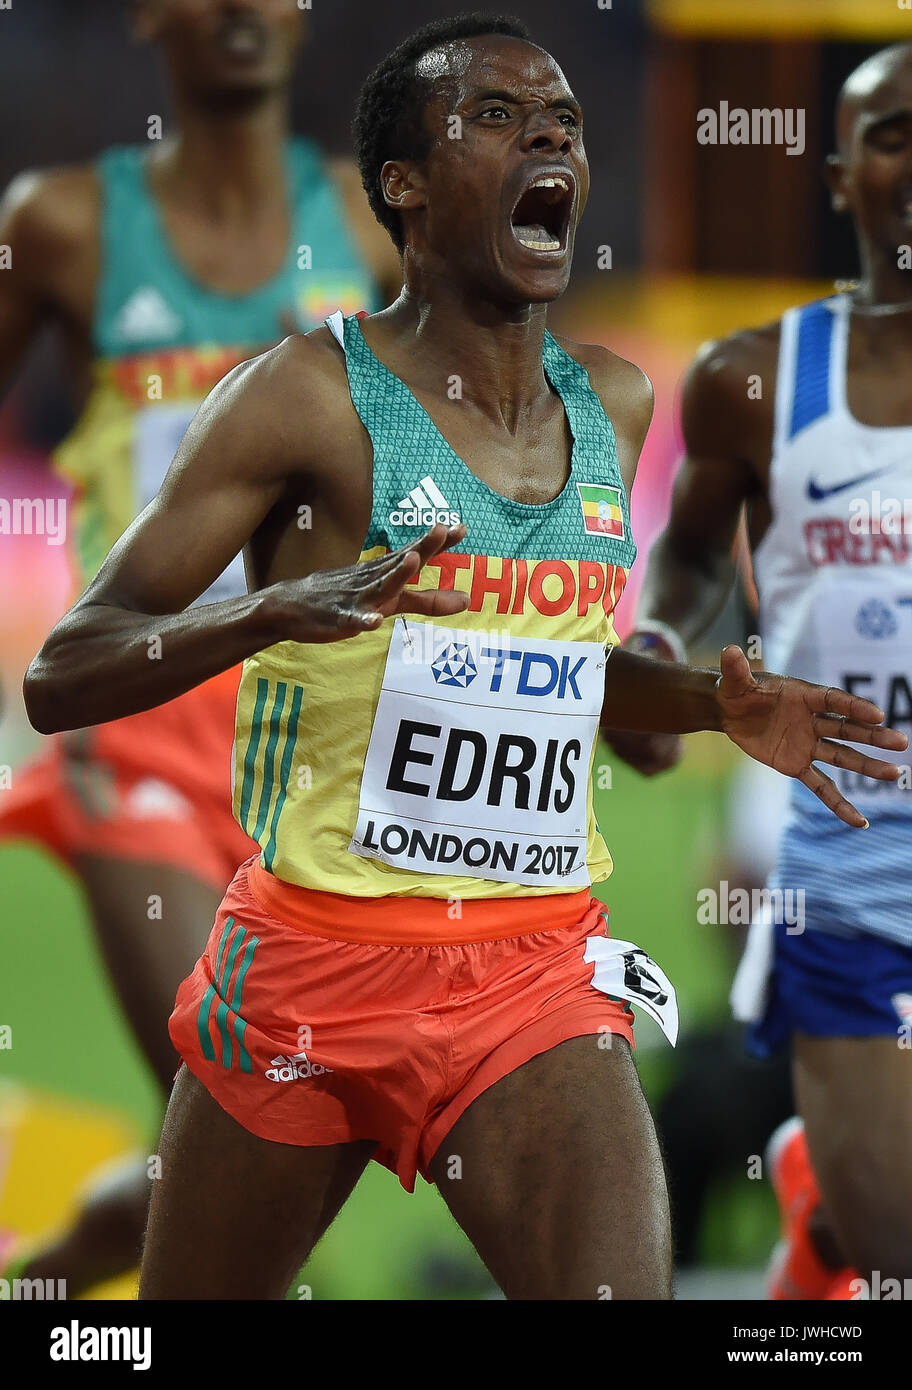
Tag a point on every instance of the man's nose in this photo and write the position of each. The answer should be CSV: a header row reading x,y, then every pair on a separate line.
x,y
544,131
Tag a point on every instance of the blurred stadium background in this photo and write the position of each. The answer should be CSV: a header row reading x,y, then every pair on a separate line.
x,y
701,240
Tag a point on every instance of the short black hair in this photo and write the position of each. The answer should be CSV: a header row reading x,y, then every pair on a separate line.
x,y
387,122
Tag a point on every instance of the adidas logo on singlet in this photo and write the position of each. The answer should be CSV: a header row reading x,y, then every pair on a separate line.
x,y
424,506
146,315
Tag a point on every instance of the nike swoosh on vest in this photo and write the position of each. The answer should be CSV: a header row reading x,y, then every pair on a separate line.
x,y
818,494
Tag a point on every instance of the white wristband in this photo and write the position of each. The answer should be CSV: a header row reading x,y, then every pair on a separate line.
x,y
651,628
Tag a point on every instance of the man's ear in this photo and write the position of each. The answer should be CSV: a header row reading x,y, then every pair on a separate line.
x,y
835,175
402,185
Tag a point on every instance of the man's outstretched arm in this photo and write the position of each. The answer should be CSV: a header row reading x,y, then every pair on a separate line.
x,y
788,724
231,469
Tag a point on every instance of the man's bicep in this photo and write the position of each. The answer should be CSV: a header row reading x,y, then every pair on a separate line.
x,y
706,505
21,303
716,476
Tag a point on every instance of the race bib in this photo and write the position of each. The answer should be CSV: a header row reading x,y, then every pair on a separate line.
x,y
158,433
478,761
858,635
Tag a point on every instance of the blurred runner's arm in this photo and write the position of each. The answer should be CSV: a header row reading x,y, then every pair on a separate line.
x,y
49,222
690,571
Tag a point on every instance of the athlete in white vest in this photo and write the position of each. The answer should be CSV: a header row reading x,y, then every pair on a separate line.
x,y
808,424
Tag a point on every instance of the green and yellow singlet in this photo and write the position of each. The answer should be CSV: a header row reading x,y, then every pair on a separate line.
x,y
448,760
162,339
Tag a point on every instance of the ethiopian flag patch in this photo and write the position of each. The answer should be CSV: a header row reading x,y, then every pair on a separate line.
x,y
601,504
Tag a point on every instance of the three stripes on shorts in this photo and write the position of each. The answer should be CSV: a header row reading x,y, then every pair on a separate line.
x,y
235,956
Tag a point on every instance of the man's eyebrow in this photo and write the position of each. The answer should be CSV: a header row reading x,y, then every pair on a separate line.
x,y
875,122
490,94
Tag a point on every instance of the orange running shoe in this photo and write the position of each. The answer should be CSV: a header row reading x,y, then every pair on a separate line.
x,y
846,1287
797,1272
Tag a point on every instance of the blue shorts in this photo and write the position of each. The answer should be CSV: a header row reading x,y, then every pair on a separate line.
x,y
854,882
847,986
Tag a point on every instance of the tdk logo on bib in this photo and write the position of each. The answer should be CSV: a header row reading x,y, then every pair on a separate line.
x,y
478,762
455,666
531,673
535,673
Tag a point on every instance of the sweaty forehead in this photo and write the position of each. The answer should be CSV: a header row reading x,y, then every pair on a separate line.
x,y
882,86
494,62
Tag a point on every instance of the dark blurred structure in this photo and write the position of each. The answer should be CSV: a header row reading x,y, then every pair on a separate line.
x,y
732,209
73,81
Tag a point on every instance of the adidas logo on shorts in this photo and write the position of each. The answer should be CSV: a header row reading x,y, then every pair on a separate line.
x,y
424,506
296,1068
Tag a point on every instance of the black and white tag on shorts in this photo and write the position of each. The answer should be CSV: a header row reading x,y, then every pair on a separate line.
x,y
627,972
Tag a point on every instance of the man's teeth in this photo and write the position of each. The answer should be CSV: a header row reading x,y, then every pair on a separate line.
x,y
552,183
243,39
536,238
534,235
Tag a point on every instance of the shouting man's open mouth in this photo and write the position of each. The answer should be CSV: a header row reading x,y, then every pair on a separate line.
x,y
243,36
541,217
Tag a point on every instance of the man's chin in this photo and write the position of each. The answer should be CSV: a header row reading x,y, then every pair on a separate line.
x,y
534,279
241,89
499,279
538,286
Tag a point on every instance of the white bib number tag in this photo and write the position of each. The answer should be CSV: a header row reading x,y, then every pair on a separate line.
x,y
158,433
858,635
478,761
625,971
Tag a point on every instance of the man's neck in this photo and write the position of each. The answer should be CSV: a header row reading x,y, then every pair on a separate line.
x,y
227,161
493,351
882,279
